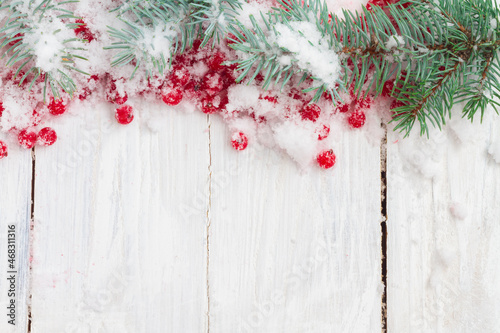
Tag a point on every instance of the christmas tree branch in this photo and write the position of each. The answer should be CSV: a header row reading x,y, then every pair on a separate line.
x,y
26,31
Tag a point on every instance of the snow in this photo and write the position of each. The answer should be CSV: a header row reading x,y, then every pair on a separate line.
x,y
395,41
157,43
494,150
310,49
271,118
458,210
297,141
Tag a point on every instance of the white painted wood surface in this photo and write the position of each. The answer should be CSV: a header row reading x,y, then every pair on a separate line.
x,y
165,228
294,252
443,264
15,209
113,251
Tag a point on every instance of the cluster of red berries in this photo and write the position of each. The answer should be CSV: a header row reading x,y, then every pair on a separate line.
x,y
45,137
209,93
27,137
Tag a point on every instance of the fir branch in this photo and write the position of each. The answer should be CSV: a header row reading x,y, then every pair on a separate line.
x,y
23,31
156,30
440,53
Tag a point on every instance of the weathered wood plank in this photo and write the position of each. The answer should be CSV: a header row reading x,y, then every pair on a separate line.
x,y
293,251
15,210
444,232
120,229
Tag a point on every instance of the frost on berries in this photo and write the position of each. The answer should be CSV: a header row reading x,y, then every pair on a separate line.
x,y
47,136
326,159
310,112
171,95
3,150
56,107
124,114
27,139
357,119
239,141
323,131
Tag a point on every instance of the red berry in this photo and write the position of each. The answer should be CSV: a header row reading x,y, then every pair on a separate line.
x,y
357,119
47,136
124,114
215,61
3,150
196,44
171,96
363,104
2,109
323,132
27,139
179,76
239,141
56,107
114,96
212,83
310,112
343,108
326,159
193,90
387,88
208,105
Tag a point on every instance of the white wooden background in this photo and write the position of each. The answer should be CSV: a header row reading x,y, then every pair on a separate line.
x,y
172,230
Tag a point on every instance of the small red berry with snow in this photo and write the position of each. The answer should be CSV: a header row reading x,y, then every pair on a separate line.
x,y
179,76
363,104
216,60
326,159
343,108
171,95
27,139
357,119
239,140
193,90
310,112
209,104
323,131
124,114
3,150
212,83
387,88
47,136
56,107
113,96
2,109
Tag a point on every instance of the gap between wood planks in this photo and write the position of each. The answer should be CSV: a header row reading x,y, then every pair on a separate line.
x,y
209,219
383,226
30,236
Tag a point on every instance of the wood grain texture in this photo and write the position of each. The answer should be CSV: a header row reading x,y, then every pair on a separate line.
x,y
444,234
293,251
120,231
15,209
